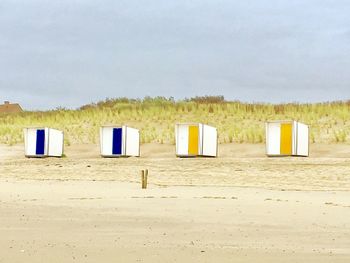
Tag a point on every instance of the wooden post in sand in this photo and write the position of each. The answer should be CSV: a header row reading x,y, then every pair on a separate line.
x,y
143,179
144,175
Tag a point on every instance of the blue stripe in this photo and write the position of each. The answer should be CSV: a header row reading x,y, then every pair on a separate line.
x,y
40,142
117,141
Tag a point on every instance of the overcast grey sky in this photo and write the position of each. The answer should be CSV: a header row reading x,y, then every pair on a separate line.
x,y
72,52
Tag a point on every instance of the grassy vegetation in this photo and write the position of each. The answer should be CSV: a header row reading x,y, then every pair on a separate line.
x,y
155,117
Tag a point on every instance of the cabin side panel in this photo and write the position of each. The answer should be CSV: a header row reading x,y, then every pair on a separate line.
x,y
209,141
106,141
182,139
132,142
30,142
273,138
55,141
303,140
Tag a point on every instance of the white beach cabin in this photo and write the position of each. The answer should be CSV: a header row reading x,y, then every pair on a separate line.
x,y
196,139
287,138
43,142
117,141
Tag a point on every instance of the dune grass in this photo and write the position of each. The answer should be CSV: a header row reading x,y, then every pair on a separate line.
x,y
155,117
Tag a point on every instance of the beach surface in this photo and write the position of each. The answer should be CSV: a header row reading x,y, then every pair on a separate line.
x,y
240,207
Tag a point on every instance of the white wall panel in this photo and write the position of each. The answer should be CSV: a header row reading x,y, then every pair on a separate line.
x,y
30,141
46,151
209,147
106,141
273,138
303,140
294,137
132,142
55,143
200,138
182,139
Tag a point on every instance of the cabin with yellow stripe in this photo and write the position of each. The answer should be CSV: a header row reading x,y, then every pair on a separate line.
x,y
195,139
287,138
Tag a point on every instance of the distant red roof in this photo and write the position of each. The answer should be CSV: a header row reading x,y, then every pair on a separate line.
x,y
8,107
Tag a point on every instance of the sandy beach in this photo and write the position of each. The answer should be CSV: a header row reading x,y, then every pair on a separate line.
x,y
240,207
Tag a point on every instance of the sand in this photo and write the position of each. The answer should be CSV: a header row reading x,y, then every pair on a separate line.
x,y
241,207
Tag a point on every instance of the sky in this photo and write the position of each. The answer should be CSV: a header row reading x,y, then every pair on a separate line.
x,y
72,52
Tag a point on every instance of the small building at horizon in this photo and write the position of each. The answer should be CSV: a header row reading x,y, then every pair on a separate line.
x,y
8,107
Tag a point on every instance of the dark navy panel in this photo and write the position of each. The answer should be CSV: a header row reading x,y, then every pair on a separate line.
x,y
40,142
117,140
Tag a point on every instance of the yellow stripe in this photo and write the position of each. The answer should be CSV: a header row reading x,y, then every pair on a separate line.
x,y
193,140
286,139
